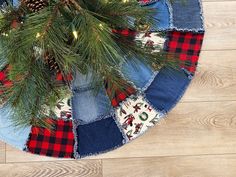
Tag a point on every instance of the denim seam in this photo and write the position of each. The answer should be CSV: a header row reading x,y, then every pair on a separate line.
x,y
177,99
100,152
155,73
120,129
126,140
172,27
99,117
76,153
78,156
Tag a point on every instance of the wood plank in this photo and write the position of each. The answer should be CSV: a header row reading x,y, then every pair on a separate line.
x,y
220,23
83,168
2,152
16,155
215,77
190,129
186,166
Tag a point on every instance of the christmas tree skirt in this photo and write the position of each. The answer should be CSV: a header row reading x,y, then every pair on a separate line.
x,y
90,123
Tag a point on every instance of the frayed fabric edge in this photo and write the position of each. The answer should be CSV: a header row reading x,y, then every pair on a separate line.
x,y
172,27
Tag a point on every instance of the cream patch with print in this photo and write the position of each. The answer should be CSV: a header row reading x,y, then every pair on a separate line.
x,y
63,109
135,116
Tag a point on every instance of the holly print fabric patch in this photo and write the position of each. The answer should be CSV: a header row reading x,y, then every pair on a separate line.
x,y
136,115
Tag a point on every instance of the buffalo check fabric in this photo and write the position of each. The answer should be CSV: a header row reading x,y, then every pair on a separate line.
x,y
58,142
125,32
118,95
147,2
186,46
4,81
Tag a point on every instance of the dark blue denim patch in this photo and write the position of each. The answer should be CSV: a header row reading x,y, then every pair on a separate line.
x,y
98,136
187,15
167,88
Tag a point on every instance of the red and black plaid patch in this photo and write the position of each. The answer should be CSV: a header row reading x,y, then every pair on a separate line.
x,y
146,2
58,142
125,32
187,46
4,81
117,95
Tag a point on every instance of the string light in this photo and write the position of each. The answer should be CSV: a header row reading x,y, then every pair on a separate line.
x,y
75,33
38,35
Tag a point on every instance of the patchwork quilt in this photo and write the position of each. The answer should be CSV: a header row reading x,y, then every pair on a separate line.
x,y
89,124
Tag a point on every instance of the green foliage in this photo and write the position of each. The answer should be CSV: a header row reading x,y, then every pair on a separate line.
x,y
78,33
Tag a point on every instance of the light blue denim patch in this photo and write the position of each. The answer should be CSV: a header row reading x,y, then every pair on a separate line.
x,y
167,88
88,104
16,137
186,15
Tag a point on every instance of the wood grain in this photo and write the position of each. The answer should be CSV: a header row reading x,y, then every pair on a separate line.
x,y
220,23
190,129
2,152
215,78
16,155
83,168
196,140
181,166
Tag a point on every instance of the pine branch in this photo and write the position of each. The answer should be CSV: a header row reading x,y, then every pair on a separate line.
x,y
78,33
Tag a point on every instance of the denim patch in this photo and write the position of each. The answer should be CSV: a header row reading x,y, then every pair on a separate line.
x,y
16,137
167,88
162,15
98,136
88,104
187,15
137,72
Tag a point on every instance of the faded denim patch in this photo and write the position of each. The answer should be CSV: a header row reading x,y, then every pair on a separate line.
x,y
186,15
97,137
167,88
88,104
162,15
16,137
137,72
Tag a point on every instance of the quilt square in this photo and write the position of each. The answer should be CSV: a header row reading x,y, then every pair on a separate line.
x,y
98,136
88,102
117,95
186,46
187,15
58,142
167,88
136,115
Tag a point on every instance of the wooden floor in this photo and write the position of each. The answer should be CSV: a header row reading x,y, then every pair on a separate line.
x,y
198,139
